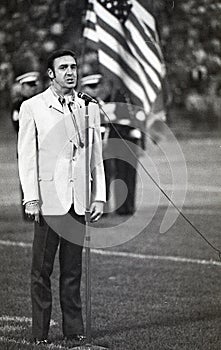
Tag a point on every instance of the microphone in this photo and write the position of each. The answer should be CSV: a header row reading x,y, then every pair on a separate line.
x,y
86,97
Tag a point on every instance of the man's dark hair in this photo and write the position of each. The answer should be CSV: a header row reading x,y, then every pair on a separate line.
x,y
57,54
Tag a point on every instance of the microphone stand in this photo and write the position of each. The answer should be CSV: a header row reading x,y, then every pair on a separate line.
x,y
88,345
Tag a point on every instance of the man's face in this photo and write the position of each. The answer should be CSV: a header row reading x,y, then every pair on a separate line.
x,y
65,73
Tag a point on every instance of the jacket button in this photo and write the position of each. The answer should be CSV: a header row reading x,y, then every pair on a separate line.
x,y
71,180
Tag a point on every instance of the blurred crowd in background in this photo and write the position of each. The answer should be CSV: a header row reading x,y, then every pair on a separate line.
x,y
190,33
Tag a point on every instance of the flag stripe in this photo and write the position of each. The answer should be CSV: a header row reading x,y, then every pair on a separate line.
x,y
107,17
116,42
130,63
147,67
129,83
145,35
134,74
117,36
143,43
90,34
129,52
149,21
140,12
90,27
91,16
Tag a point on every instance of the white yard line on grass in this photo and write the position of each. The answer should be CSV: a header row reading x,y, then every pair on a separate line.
x,y
6,318
16,244
25,342
156,257
15,324
177,259
22,319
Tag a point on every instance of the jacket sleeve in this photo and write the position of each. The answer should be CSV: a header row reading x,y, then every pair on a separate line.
x,y
27,154
97,167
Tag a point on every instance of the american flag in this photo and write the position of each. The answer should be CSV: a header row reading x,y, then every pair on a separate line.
x,y
126,39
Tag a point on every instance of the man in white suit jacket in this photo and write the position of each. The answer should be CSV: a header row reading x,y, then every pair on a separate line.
x,y
51,157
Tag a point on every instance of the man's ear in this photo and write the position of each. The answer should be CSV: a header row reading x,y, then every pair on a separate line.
x,y
51,73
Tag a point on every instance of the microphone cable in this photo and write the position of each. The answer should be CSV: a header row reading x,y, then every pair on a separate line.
x,y
212,246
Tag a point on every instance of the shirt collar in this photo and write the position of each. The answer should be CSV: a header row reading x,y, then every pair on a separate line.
x,y
63,99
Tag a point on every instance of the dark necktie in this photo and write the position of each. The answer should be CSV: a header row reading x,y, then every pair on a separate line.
x,y
67,104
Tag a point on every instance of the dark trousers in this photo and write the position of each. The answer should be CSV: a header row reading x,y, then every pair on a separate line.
x,y
122,167
127,173
45,245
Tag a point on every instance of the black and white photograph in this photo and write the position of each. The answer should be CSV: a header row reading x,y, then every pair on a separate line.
x,y
110,161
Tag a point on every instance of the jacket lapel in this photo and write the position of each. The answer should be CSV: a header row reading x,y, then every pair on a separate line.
x,y
51,100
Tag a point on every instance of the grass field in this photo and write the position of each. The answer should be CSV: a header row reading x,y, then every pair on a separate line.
x,y
155,291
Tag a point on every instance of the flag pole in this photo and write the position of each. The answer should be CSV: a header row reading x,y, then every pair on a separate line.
x,y
87,345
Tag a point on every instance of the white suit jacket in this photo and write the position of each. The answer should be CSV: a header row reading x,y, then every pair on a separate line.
x,y
50,170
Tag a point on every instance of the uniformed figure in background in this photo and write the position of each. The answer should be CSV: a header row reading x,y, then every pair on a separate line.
x,y
91,84
122,142
27,85
126,145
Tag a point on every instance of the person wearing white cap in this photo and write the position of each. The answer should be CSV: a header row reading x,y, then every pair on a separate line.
x,y
28,87
92,85
91,80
